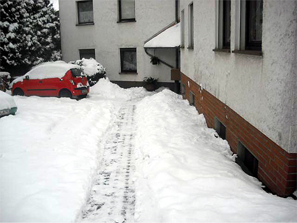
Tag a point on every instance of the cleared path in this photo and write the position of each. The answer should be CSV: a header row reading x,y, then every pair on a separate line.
x,y
112,197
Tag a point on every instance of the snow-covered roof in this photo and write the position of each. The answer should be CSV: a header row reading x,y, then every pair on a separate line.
x,y
168,38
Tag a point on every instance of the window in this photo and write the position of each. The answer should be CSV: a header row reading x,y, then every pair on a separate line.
x,y
226,4
128,60
192,98
182,23
254,20
223,25
126,10
177,10
183,90
87,53
85,12
220,128
247,161
191,27
251,24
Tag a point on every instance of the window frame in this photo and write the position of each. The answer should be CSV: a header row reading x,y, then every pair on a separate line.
x,y
86,51
246,160
251,45
220,128
191,26
120,19
122,50
192,98
225,13
78,14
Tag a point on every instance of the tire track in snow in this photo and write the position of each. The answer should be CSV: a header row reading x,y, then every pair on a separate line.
x,y
112,197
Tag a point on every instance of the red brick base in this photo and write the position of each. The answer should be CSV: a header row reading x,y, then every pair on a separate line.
x,y
277,169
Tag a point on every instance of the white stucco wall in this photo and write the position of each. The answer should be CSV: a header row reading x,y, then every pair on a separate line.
x,y
107,36
261,89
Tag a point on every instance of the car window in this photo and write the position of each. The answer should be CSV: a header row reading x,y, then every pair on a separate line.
x,y
76,72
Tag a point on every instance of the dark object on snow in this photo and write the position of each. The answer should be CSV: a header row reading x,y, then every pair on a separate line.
x,y
95,78
150,83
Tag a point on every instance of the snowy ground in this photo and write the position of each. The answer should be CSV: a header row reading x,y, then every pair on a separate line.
x,y
60,158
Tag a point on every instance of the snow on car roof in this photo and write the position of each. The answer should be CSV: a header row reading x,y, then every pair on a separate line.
x,y
47,70
50,70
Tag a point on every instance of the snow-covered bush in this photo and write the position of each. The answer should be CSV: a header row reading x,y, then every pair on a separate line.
x,y
92,69
29,33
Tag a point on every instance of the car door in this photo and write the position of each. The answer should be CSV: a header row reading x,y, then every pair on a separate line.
x,y
31,86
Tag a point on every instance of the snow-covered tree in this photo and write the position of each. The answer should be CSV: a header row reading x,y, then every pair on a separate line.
x,y
29,33
92,69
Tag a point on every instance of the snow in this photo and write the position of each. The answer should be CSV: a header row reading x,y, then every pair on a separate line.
x,y
186,174
5,74
51,150
6,101
168,38
47,70
89,66
108,90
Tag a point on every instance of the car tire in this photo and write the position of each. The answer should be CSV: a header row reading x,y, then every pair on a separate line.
x,y
65,94
18,91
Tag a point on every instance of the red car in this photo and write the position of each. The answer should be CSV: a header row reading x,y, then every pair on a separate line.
x,y
52,79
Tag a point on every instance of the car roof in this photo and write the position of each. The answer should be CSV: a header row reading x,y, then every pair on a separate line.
x,y
48,70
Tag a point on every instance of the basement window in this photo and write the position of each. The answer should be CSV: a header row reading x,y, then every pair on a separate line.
x,y
220,128
247,161
183,90
192,98
87,53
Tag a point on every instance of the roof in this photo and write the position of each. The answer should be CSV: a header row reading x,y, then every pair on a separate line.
x,y
169,38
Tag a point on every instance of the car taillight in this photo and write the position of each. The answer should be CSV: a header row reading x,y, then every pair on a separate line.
x,y
84,80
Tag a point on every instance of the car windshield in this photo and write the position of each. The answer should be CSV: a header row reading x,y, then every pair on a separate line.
x,y
76,72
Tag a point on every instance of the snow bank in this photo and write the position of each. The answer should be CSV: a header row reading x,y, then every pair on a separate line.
x,y
6,101
169,38
48,155
107,89
185,174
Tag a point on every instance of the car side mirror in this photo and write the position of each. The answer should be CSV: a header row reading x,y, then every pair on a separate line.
x,y
27,77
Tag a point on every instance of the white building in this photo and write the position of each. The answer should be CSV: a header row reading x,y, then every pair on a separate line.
x,y
114,33
238,64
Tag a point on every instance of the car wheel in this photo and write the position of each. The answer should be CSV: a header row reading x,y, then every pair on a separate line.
x,y
18,91
65,94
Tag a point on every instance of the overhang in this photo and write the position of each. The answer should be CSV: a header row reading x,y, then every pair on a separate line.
x,y
169,38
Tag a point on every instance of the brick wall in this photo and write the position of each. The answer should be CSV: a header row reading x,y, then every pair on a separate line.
x,y
277,169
